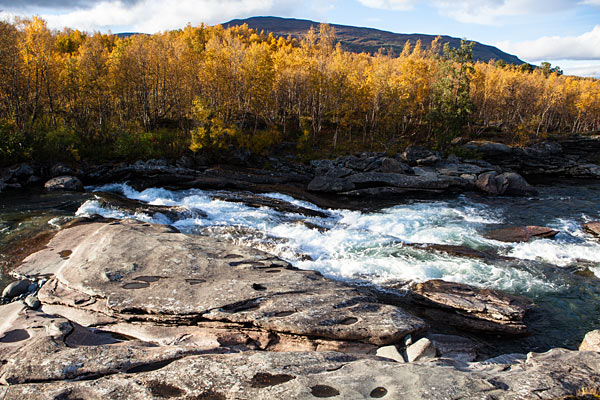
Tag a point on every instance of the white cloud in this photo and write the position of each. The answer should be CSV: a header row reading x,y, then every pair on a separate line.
x,y
397,5
488,12
583,47
151,16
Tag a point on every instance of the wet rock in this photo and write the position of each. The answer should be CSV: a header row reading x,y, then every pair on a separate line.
x,y
591,341
460,251
327,184
257,201
593,228
69,183
16,288
390,352
423,349
131,206
471,308
510,184
521,233
145,272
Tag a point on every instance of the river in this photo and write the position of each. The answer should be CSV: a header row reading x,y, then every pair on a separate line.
x,y
373,246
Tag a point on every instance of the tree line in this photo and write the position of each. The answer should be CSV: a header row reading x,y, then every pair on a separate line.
x,y
73,95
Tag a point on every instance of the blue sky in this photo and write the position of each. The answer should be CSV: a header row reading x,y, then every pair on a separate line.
x,y
563,32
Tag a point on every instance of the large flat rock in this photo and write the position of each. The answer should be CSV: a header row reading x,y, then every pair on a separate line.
x,y
134,271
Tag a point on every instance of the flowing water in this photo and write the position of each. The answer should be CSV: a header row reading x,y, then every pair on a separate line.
x,y
372,246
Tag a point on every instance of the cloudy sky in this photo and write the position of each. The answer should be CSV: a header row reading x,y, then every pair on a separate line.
x,y
563,32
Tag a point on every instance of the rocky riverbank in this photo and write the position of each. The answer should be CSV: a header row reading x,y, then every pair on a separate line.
x,y
137,310
127,309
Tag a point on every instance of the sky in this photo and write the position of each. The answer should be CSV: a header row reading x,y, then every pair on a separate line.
x,y
563,32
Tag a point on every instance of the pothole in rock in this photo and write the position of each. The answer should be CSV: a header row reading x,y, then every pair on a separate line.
x,y
258,287
64,254
195,281
378,393
164,390
284,313
16,335
264,379
324,391
147,279
136,285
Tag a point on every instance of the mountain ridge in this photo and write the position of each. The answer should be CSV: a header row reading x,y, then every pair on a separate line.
x,y
368,40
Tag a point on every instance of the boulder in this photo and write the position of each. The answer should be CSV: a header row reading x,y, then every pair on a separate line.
x,y
419,155
69,183
16,288
327,184
593,228
391,165
591,341
471,308
521,233
133,271
422,349
511,184
59,169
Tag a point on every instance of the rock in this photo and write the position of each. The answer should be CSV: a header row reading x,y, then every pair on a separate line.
x,y
510,184
23,172
141,272
257,201
69,183
326,184
390,352
391,165
421,350
32,302
267,375
489,149
374,179
16,288
593,228
471,308
59,169
521,233
418,155
33,180
338,172
591,341
455,347
132,206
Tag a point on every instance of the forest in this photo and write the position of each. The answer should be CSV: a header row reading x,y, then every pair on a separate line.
x,y
70,95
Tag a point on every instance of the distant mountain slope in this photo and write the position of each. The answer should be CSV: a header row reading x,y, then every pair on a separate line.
x,y
366,39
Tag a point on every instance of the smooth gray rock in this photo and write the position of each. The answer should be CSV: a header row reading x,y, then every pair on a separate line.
x,y
144,272
32,302
16,288
68,183
390,352
510,184
423,349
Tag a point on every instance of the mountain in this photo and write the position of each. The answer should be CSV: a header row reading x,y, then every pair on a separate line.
x,y
367,39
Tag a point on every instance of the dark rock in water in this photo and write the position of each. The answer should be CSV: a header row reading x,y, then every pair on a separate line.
x,y
510,184
69,183
471,308
418,155
131,206
254,200
461,251
521,233
16,288
326,184
593,228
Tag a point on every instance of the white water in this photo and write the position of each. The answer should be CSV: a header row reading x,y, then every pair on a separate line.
x,y
369,245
